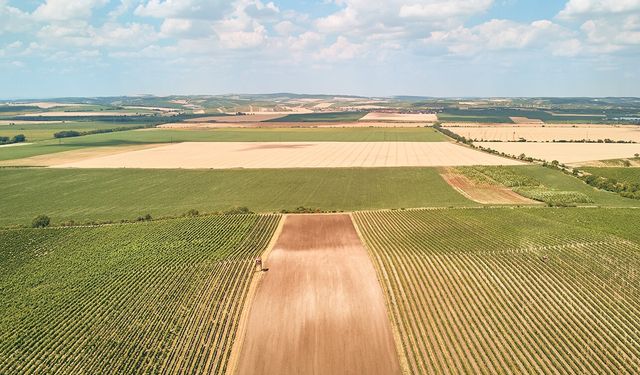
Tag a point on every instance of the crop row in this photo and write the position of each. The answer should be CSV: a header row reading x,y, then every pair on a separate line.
x,y
504,291
150,297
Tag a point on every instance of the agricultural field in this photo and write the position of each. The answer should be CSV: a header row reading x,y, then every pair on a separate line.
x,y
573,153
162,296
625,175
70,194
504,115
549,133
547,185
223,155
156,136
322,117
294,340
406,117
518,293
43,131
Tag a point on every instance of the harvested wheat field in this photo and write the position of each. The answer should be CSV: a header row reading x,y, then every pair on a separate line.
x,y
482,193
58,158
566,152
254,117
221,155
406,117
319,308
549,133
78,114
353,124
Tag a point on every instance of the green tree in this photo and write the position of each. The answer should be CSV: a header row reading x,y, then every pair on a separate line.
x,y
41,221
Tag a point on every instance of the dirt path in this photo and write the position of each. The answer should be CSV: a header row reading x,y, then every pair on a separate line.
x,y
319,309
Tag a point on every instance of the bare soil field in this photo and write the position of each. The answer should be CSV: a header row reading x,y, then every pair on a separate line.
x,y
77,114
238,118
407,117
319,308
221,155
525,120
48,105
566,152
549,133
23,122
482,193
354,124
58,158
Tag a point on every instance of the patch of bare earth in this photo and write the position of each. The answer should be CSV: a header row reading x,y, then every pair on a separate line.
x,y
482,193
526,120
319,308
58,158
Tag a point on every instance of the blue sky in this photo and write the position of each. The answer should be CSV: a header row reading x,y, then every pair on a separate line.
x,y
54,48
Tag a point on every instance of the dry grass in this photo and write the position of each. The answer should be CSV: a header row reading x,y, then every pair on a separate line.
x,y
222,155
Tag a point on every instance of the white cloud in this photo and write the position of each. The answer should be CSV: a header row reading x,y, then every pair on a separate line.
x,y
438,9
342,49
207,9
497,35
575,8
63,10
12,20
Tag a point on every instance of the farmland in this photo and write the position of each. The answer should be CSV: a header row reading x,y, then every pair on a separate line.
x,y
223,155
134,298
521,294
626,175
565,152
153,136
126,194
594,133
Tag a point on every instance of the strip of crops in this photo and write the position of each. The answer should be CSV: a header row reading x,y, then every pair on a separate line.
x,y
507,291
151,297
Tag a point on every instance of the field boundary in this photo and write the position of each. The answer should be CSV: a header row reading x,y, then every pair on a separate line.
x,y
244,315
400,353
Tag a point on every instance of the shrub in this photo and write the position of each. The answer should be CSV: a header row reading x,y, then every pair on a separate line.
x,y
18,138
41,221
67,134
191,213
238,211
146,217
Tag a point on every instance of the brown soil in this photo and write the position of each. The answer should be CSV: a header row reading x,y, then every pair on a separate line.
x,y
319,308
482,193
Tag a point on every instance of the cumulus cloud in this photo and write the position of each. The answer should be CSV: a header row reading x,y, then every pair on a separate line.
x,y
577,8
497,35
12,20
63,10
342,49
210,9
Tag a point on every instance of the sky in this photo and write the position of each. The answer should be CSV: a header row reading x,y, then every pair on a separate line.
x,y
445,48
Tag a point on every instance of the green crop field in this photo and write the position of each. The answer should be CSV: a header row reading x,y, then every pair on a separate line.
x,y
507,291
502,115
39,132
115,194
157,297
549,185
321,117
224,135
625,175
